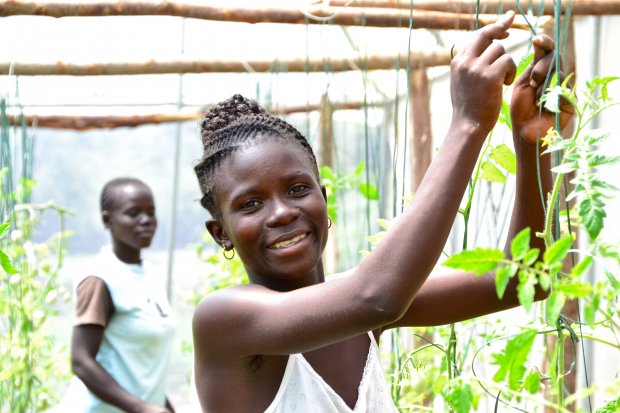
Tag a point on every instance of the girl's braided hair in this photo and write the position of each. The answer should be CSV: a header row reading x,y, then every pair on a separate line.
x,y
233,124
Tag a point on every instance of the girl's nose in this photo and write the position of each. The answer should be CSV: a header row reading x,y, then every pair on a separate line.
x,y
282,213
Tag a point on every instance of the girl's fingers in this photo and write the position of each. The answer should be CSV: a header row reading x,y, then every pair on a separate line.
x,y
543,44
507,65
492,53
485,36
540,70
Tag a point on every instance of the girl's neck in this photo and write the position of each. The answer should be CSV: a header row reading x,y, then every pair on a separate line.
x,y
279,284
126,255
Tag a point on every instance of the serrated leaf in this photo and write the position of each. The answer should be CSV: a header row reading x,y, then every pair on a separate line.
x,y
556,252
532,382
460,398
520,244
502,277
504,157
523,64
552,99
582,266
531,256
5,262
491,173
575,289
525,292
480,260
555,303
512,359
592,215
544,280
369,191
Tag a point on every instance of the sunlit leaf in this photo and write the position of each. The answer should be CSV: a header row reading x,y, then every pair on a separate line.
x,y
505,157
502,277
576,289
555,303
557,251
369,191
480,260
526,292
5,262
512,359
532,382
582,266
491,173
460,398
520,244
4,229
592,214
531,256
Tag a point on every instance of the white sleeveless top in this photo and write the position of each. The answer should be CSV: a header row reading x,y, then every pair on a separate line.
x,y
304,390
137,342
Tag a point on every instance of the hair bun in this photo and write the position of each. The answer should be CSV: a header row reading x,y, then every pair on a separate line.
x,y
225,113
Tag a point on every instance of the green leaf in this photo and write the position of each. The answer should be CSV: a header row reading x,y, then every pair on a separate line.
x,y
369,191
520,244
460,398
480,260
556,252
504,157
526,291
532,382
531,256
582,266
576,289
360,168
491,173
4,229
565,168
592,215
523,64
502,277
590,309
504,114
327,173
555,303
5,262
512,359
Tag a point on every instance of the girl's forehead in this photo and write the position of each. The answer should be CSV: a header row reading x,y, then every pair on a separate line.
x,y
269,156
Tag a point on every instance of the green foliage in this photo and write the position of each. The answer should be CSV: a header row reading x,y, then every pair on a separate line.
x,y
611,407
31,362
338,182
512,360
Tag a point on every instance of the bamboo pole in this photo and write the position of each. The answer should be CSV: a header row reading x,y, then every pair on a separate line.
x,y
83,123
576,7
253,12
438,58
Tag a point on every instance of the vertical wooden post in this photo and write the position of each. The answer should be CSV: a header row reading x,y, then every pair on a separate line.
x,y
326,158
422,138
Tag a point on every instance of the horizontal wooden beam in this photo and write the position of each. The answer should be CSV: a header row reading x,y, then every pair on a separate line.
x,y
417,59
83,123
545,7
253,12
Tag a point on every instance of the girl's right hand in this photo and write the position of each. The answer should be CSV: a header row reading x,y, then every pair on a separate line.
x,y
478,72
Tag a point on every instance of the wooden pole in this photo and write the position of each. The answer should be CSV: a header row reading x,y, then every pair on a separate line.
x,y
576,7
252,12
421,148
438,58
83,123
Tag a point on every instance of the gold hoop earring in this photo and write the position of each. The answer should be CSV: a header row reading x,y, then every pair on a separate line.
x,y
329,222
226,256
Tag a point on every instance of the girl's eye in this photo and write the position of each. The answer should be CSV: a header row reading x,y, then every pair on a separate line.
x,y
252,203
298,189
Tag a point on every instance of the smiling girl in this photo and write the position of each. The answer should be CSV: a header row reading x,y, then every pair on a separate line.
x,y
288,341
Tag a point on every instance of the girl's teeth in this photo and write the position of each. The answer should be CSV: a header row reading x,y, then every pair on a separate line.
x,y
286,243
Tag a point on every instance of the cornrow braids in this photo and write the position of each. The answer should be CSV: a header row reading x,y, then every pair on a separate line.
x,y
230,125
107,200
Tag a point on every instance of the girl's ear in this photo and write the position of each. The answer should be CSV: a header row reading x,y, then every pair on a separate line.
x,y
324,191
105,217
220,236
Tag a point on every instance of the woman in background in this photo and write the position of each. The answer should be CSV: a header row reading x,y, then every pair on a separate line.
x,y
123,331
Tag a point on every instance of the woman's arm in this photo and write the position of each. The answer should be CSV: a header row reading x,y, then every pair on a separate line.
x,y
451,296
247,320
84,347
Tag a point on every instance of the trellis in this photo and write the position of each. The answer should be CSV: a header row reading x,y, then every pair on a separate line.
x,y
438,15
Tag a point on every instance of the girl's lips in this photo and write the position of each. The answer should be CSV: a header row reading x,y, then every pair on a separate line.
x,y
288,242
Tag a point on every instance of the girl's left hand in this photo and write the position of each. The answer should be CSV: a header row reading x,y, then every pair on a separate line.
x,y
529,121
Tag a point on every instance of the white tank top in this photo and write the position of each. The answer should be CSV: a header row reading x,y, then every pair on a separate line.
x,y
304,390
